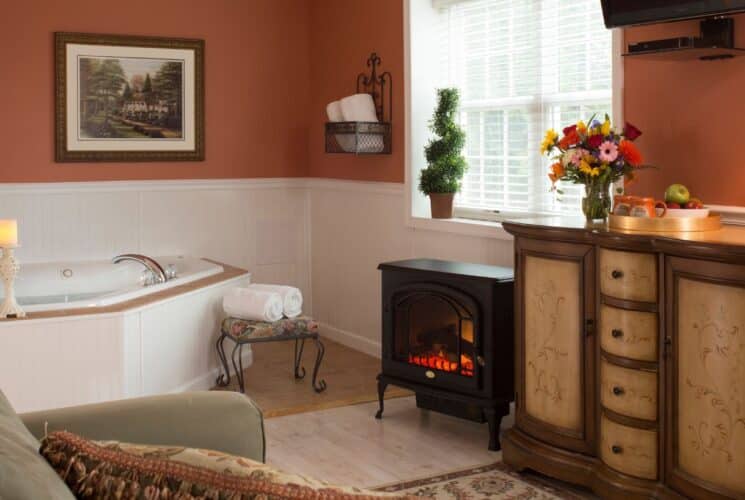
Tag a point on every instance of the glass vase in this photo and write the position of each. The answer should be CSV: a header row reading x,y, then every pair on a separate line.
x,y
596,204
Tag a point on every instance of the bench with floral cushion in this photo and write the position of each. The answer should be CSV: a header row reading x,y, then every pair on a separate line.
x,y
244,331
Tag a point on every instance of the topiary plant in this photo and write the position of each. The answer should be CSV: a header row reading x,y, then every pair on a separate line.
x,y
446,166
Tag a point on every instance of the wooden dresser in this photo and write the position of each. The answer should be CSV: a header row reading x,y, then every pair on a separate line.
x,y
630,359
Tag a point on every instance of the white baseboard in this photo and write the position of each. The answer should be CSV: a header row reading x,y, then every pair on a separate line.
x,y
207,381
351,340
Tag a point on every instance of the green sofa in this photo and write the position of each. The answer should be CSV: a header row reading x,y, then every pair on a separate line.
x,y
224,421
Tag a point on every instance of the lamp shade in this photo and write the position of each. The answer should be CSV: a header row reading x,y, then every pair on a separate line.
x,y
8,233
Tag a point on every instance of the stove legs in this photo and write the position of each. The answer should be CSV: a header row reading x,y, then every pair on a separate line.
x,y
494,420
381,397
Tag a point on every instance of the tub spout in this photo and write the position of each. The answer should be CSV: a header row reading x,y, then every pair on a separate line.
x,y
149,263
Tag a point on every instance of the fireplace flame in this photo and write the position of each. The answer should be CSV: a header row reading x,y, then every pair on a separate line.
x,y
440,362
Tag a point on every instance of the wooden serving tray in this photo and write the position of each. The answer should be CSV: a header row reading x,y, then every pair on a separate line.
x,y
665,224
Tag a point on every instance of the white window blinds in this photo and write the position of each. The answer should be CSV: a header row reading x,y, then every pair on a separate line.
x,y
522,66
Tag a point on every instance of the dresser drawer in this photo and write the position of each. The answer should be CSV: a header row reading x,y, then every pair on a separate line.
x,y
628,450
628,275
627,391
631,334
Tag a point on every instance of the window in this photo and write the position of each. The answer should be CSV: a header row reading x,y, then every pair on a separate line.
x,y
522,66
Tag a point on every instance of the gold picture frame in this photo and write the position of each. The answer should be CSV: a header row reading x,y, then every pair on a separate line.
x,y
121,98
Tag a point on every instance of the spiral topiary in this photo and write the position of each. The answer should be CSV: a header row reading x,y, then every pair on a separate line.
x,y
446,166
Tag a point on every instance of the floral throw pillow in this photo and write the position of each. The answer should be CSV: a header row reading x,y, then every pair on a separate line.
x,y
111,469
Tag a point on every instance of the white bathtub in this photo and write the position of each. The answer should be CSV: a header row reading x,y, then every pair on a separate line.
x,y
72,285
96,351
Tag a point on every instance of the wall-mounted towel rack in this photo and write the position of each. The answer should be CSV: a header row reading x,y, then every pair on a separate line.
x,y
366,137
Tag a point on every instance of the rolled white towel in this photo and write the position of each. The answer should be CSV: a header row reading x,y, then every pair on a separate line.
x,y
358,108
333,111
258,305
292,298
361,108
345,141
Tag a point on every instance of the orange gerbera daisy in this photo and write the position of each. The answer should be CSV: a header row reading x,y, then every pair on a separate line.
x,y
629,152
557,171
570,139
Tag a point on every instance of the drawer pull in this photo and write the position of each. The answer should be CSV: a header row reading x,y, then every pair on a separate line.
x,y
481,361
430,374
616,333
616,274
617,450
618,391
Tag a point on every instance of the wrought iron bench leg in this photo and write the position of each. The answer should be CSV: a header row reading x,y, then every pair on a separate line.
x,y
222,379
321,385
381,397
299,370
239,366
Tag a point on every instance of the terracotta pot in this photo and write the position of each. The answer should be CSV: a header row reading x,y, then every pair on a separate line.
x,y
442,205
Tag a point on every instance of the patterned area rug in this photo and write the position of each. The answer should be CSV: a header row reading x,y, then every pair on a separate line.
x,y
493,481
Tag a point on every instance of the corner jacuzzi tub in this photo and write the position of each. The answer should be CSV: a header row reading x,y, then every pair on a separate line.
x,y
94,333
52,286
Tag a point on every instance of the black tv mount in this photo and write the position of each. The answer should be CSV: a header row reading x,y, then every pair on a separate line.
x,y
716,41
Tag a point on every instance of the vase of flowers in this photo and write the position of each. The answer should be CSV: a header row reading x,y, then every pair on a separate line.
x,y
595,155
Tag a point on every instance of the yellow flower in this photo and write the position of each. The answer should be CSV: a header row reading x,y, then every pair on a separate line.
x,y
581,127
585,167
594,172
549,140
605,128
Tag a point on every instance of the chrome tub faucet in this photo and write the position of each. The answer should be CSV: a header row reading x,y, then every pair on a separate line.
x,y
159,275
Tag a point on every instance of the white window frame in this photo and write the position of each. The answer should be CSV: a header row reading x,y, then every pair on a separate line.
x,y
418,16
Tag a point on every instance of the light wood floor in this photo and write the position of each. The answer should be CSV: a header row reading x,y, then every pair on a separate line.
x,y
349,446
350,376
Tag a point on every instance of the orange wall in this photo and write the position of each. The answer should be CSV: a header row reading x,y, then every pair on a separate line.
x,y
257,97
343,34
272,65
692,114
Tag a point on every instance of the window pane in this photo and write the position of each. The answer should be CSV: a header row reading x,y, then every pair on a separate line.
x,y
522,66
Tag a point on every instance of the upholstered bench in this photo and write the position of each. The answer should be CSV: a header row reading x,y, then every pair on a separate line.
x,y
243,331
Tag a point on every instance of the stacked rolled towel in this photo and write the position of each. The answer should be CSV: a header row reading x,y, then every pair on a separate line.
x,y
292,298
356,108
246,303
345,141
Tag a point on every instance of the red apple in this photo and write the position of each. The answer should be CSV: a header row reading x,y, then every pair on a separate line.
x,y
673,205
694,203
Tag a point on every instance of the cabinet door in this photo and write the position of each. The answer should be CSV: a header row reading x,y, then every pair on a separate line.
x,y
554,353
705,418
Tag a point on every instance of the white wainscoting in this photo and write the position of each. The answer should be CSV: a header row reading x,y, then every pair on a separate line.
x,y
354,227
258,224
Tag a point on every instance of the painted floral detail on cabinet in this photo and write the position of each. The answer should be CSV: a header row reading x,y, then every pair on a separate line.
x,y
548,302
712,354
552,357
721,350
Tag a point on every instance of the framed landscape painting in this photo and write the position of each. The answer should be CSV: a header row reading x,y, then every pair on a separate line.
x,y
128,98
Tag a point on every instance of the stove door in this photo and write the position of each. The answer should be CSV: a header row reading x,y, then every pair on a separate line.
x,y
432,334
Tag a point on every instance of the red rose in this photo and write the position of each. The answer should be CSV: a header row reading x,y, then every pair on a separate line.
x,y
594,141
568,130
631,132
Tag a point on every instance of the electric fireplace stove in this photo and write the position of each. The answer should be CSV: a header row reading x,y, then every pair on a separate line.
x,y
447,335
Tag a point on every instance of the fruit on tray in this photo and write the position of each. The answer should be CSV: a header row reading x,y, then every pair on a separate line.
x,y
673,205
677,193
694,203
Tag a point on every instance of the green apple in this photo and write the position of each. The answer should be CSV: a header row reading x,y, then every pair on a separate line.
x,y
677,193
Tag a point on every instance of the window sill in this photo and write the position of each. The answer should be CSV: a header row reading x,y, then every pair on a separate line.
x,y
465,227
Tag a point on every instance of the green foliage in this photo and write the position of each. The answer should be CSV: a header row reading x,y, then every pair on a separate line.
x,y
148,86
127,94
446,165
